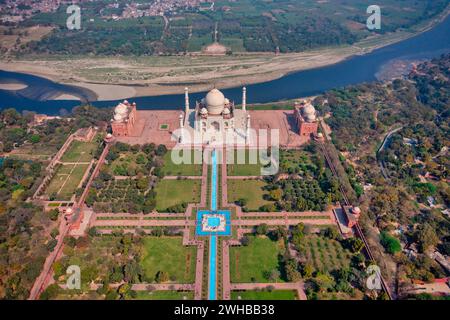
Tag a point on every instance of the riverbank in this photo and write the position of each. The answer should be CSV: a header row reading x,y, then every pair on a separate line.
x,y
114,78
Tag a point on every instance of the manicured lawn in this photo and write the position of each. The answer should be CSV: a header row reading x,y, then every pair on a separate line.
x,y
250,190
164,295
79,151
250,263
168,254
264,295
174,192
325,254
192,169
246,168
66,181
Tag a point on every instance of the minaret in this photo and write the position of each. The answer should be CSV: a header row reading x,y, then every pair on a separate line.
x,y
181,126
186,101
248,126
244,98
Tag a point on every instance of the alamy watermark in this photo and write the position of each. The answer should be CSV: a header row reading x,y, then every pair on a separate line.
x,y
373,281
374,20
73,22
74,277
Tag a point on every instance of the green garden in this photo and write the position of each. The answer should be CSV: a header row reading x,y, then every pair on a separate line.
x,y
257,262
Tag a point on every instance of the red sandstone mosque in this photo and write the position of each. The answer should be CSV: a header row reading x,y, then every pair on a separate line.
x,y
123,119
306,118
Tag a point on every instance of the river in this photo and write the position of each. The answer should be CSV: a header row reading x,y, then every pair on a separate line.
x,y
357,69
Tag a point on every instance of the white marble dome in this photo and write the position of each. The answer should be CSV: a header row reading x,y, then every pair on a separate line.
x,y
204,111
226,111
121,109
309,109
215,102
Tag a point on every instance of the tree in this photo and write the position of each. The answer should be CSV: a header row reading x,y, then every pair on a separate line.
x,y
262,229
276,194
307,271
426,237
53,214
291,271
390,243
92,232
355,245
245,241
161,276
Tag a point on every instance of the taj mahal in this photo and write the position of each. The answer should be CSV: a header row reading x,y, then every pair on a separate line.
x,y
214,120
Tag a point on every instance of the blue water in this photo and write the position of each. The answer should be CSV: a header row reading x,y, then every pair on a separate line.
x,y
213,239
213,222
212,268
201,213
354,70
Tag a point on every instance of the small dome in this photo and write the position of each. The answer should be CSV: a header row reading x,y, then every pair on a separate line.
x,y
204,111
69,210
356,210
320,135
109,136
227,101
226,111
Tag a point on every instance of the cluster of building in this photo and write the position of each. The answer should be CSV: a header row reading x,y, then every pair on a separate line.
x,y
18,10
155,8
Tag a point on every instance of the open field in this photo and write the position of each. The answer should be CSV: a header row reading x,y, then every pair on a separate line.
x,y
168,254
164,295
250,263
175,192
250,190
264,295
66,181
79,152
172,169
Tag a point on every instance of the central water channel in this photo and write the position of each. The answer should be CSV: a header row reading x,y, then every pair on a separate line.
x,y
212,284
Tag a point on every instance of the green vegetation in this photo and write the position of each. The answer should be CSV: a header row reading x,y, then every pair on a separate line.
x,y
324,254
164,295
264,295
244,164
79,152
174,195
192,169
256,262
169,255
407,179
24,237
245,25
65,181
250,194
